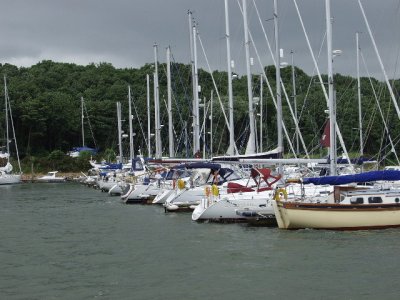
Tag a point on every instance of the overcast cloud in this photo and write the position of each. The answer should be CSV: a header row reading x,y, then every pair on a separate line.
x,y
122,32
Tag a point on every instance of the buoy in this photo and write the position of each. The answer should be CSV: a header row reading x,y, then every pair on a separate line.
x,y
181,184
215,190
172,207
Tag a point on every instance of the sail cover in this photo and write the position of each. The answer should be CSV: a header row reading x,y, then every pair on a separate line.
x,y
386,175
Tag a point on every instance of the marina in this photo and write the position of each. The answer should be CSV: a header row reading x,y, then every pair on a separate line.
x,y
228,174
64,240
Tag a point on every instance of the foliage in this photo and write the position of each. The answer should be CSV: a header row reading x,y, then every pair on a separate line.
x,y
45,99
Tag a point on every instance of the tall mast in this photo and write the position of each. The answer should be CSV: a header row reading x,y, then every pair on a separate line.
x,y
119,131
251,143
231,149
261,112
148,116
295,102
359,98
204,127
211,122
331,96
157,105
6,107
278,80
131,151
170,126
82,119
196,131
194,85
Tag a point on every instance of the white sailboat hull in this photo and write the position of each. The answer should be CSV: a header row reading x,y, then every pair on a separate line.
x,y
234,207
10,179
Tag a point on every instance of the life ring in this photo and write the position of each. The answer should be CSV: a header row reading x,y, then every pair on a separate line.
x,y
181,184
280,195
207,191
215,190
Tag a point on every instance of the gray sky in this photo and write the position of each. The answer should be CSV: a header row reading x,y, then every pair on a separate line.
x,y
122,32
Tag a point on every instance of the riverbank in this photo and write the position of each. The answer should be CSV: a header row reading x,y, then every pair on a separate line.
x,y
33,177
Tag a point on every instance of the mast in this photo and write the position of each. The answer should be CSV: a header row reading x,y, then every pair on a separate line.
x,y
261,112
251,143
8,109
170,126
83,128
131,151
119,131
331,96
194,85
6,106
295,102
157,105
196,113
148,116
359,98
204,127
278,81
231,149
211,122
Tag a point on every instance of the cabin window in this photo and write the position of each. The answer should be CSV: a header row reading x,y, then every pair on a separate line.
x,y
397,200
358,200
374,200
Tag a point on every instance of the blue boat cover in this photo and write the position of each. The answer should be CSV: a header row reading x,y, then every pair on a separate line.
x,y
80,149
388,175
203,165
355,161
110,166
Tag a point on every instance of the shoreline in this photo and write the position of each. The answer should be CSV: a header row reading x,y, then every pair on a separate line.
x,y
32,177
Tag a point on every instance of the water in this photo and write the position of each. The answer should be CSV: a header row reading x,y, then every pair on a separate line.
x,y
66,241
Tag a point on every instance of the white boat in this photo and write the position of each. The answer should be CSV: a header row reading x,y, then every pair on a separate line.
x,y
248,204
347,208
6,178
241,202
137,193
51,177
149,188
189,196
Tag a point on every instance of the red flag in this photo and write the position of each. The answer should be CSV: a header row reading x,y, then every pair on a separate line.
x,y
326,136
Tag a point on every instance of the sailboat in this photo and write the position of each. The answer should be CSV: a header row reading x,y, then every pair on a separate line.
x,y
6,176
77,150
350,206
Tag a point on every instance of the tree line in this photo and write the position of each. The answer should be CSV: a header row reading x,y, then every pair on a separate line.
x,y
46,107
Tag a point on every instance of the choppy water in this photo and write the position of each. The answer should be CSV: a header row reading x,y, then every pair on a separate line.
x,y
66,241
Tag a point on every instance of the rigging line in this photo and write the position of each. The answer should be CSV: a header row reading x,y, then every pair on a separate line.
x,y
139,121
380,60
13,129
166,105
338,132
295,120
215,85
186,97
380,110
90,125
185,90
312,77
272,94
283,86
